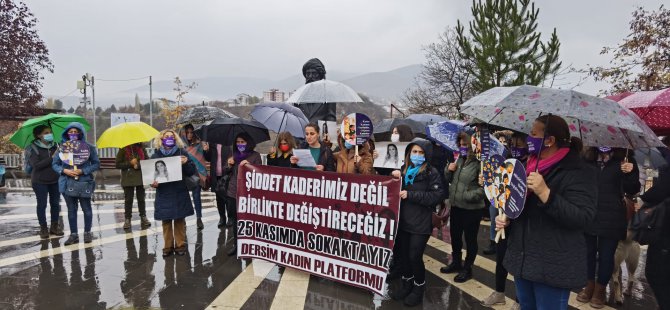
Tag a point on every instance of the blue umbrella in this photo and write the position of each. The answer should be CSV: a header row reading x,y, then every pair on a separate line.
x,y
280,117
650,157
446,132
427,118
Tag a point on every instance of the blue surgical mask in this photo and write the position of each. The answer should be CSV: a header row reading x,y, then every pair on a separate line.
x,y
348,145
48,137
534,144
241,147
73,136
417,160
463,150
519,152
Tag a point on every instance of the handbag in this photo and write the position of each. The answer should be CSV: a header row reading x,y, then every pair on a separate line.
x,y
192,181
441,217
222,184
647,223
79,189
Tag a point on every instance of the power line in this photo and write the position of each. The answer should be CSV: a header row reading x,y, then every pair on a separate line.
x,y
70,93
125,80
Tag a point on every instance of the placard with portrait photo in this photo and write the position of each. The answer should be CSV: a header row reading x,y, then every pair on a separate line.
x,y
391,154
161,170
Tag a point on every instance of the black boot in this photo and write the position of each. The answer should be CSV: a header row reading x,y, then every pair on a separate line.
x,y
491,249
415,298
455,265
56,229
74,238
403,291
44,232
464,275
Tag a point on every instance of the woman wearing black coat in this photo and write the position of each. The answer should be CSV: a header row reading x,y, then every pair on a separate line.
x,y
281,157
421,192
657,269
617,174
45,180
546,246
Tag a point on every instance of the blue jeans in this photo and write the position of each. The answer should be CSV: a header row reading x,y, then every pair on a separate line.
x,y
72,205
538,296
493,212
197,202
44,192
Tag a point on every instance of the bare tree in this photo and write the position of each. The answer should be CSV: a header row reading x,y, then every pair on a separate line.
x,y
23,56
445,82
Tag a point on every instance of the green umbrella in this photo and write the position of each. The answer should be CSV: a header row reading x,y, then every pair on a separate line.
x,y
24,136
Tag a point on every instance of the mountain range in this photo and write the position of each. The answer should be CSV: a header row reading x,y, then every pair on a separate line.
x,y
381,87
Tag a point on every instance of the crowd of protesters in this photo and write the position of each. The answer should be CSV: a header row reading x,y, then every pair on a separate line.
x,y
574,215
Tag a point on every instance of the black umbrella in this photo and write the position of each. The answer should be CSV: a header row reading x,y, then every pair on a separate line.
x,y
224,130
382,130
199,115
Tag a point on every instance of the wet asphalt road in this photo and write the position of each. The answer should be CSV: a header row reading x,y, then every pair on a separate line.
x,y
121,270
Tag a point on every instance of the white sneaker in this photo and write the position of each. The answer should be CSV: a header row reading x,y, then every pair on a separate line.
x,y
495,298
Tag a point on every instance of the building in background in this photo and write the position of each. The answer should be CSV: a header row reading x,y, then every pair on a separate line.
x,y
274,95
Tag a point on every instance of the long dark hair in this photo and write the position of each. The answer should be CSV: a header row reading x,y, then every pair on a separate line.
x,y
557,127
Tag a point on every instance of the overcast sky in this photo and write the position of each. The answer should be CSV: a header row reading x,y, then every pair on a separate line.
x,y
129,38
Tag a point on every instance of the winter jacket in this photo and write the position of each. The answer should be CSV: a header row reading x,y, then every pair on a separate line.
x,y
464,189
610,221
129,175
346,162
173,201
88,168
280,160
254,158
658,254
41,162
326,158
546,242
422,196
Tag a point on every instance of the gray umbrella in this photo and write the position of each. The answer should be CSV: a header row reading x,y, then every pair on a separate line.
x,y
199,115
382,130
324,91
649,157
280,117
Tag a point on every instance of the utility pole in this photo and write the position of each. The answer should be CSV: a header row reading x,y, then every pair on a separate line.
x,y
95,116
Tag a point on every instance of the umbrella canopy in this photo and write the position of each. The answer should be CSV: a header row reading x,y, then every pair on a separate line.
x,y
225,130
446,134
653,107
650,157
620,96
382,130
126,134
199,115
427,118
597,121
57,122
280,117
324,91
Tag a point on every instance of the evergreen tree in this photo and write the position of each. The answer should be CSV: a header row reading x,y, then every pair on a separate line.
x,y
505,46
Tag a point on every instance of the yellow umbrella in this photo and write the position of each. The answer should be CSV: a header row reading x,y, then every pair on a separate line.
x,y
126,134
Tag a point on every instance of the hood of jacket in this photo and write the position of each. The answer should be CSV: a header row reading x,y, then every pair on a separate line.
x,y
82,131
424,144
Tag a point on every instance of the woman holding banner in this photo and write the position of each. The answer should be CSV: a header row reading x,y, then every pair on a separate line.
x,y
421,192
75,163
321,153
467,203
243,153
546,246
617,175
173,202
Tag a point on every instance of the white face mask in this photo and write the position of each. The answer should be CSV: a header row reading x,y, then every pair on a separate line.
x,y
395,137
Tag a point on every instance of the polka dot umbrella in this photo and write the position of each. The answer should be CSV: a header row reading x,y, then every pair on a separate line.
x,y
597,121
653,107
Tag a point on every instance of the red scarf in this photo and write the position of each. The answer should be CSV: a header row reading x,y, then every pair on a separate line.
x,y
134,151
546,164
